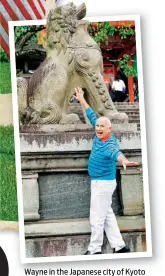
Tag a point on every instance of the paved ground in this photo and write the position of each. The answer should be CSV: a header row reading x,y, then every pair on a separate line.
x,y
11,225
6,117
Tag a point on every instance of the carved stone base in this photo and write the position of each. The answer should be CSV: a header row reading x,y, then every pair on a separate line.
x,y
70,119
132,191
30,197
119,118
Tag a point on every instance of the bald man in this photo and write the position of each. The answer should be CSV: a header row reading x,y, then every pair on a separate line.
x,y
102,171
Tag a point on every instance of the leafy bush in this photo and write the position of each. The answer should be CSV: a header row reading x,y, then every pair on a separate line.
x,y
3,56
126,69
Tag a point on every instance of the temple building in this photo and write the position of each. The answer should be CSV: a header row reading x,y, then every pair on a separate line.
x,y
113,50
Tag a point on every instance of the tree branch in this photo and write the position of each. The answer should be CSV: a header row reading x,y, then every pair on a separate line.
x,y
27,36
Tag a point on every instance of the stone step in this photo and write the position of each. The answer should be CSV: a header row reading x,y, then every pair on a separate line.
x,y
47,235
116,104
77,109
136,109
132,112
131,109
127,106
127,103
138,126
128,113
73,109
76,226
137,121
77,245
133,116
121,107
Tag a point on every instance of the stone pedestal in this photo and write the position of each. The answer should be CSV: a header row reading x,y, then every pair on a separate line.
x,y
30,196
132,191
57,155
56,189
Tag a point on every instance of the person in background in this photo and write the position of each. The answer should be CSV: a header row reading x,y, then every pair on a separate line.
x,y
135,89
104,155
119,89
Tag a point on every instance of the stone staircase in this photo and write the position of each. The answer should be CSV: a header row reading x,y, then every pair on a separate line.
x,y
131,109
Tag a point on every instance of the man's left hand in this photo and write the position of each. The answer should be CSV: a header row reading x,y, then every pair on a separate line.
x,y
126,163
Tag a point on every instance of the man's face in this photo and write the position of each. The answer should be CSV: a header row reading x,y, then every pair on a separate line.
x,y
102,128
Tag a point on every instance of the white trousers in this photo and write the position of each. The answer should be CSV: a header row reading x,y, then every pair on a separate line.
x,y
102,216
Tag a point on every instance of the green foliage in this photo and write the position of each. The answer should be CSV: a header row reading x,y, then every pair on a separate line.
x,y
126,69
112,30
101,31
7,140
8,192
126,31
3,56
20,31
5,79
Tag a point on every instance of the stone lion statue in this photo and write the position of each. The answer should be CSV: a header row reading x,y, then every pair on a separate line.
x,y
73,59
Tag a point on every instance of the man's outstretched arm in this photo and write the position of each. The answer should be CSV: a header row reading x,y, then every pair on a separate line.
x,y
80,97
89,111
125,162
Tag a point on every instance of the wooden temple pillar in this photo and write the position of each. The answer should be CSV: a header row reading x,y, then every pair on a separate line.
x,y
130,85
